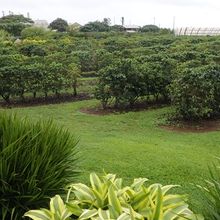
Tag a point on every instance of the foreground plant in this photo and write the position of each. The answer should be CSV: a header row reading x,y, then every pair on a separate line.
x,y
211,193
58,210
36,161
106,198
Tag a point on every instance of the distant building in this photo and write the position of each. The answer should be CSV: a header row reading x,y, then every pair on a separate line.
x,y
74,27
75,24
41,23
132,28
190,31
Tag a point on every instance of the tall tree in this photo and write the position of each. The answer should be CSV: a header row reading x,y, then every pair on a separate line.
x,y
15,19
14,24
59,24
150,28
96,26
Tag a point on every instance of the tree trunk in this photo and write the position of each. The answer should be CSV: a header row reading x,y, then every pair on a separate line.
x,y
22,95
57,93
74,90
45,94
34,94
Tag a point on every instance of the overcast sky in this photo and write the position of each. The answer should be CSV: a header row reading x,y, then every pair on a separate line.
x,y
190,13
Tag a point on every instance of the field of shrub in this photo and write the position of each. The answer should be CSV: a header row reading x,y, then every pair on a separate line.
x,y
129,68
122,71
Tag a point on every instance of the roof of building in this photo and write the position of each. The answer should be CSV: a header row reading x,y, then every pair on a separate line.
x,y
75,24
40,22
131,26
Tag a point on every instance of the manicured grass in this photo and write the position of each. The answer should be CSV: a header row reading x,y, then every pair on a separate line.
x,y
132,145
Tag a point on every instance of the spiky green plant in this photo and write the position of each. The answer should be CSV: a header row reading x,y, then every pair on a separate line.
x,y
106,199
37,160
211,192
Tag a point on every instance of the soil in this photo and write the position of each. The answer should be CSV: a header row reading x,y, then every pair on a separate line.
x,y
45,101
194,127
98,111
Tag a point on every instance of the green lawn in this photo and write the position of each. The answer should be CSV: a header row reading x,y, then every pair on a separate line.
x,y
132,145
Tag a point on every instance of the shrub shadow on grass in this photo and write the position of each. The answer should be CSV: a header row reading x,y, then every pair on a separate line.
x,y
140,106
53,99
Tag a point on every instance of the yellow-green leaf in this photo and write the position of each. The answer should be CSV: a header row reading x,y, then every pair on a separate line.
x,y
38,215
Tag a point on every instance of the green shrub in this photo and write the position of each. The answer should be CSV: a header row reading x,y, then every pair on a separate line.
x,y
122,81
33,50
36,162
18,79
35,33
126,80
106,198
196,93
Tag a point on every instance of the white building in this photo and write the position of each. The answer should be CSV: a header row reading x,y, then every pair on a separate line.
x,y
132,28
41,23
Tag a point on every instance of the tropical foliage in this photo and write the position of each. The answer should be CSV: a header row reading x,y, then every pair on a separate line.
x,y
58,210
106,198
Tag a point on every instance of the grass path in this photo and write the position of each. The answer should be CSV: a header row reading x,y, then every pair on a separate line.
x,y
131,145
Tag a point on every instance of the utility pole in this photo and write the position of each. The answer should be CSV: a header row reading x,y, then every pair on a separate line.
x,y
3,14
174,22
122,21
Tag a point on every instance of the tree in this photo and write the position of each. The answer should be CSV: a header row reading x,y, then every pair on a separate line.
x,y
15,19
9,75
59,24
33,50
86,59
95,26
117,28
195,93
4,35
122,81
106,21
73,72
14,24
150,28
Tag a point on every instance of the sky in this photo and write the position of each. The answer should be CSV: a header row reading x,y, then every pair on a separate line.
x,y
185,13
